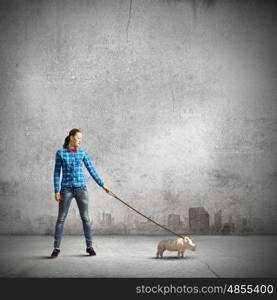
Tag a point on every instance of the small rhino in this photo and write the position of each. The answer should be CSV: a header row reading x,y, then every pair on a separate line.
x,y
179,245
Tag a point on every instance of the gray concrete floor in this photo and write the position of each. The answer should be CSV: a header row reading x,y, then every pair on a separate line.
x,y
135,256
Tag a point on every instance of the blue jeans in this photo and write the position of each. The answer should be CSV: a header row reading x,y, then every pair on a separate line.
x,y
81,196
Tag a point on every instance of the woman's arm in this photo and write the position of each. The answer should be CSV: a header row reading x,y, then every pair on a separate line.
x,y
93,172
106,189
57,172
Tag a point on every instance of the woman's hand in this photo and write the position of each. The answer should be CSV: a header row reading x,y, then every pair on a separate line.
x,y
57,197
106,189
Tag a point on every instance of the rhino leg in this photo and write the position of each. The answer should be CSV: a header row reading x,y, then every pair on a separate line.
x,y
158,252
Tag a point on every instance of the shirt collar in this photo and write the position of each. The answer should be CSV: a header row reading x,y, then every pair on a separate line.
x,y
67,147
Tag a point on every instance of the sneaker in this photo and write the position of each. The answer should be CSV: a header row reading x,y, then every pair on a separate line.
x,y
55,253
91,251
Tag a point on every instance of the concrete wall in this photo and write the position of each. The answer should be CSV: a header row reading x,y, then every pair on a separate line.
x,y
176,101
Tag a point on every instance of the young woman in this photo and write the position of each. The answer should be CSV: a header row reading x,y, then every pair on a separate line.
x,y
73,185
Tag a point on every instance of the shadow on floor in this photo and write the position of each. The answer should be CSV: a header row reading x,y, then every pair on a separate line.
x,y
41,257
173,258
61,255
80,255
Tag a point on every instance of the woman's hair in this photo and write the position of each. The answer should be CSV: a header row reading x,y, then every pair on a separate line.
x,y
67,139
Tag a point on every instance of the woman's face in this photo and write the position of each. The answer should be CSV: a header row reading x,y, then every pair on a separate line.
x,y
76,140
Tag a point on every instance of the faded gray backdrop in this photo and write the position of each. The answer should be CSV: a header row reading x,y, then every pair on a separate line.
x,y
176,101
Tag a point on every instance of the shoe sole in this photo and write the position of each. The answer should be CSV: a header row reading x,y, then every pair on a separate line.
x,y
54,256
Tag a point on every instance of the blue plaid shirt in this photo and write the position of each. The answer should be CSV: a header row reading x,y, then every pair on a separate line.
x,y
71,163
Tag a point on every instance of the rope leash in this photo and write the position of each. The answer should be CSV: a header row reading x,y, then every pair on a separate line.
x,y
112,194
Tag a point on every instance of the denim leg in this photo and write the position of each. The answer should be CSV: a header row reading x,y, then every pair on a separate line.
x,y
82,202
64,204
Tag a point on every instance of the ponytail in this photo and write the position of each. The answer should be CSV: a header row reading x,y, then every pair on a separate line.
x,y
66,141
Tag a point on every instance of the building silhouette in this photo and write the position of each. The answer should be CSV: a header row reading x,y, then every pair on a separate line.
x,y
218,221
198,220
107,220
